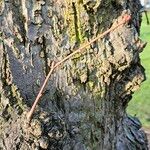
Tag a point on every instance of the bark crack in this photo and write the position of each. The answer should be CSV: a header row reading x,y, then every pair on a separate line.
x,y
76,22
45,56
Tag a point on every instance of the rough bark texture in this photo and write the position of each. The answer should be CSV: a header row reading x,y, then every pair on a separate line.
x,y
83,107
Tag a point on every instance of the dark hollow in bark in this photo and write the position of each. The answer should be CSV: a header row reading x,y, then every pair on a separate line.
x,y
84,104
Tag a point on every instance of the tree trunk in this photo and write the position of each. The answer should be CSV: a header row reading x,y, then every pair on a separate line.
x,y
84,104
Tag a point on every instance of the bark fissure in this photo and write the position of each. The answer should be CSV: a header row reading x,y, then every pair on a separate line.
x,y
4,66
76,23
45,56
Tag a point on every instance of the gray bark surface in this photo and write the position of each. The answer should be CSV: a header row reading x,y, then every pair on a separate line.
x,y
84,104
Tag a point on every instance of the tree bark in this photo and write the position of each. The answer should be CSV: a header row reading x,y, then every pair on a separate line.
x,y
84,104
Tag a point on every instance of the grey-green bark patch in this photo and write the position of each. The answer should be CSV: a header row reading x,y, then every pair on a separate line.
x,y
2,6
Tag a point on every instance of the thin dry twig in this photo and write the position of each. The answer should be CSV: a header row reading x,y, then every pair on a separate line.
x,y
29,115
125,19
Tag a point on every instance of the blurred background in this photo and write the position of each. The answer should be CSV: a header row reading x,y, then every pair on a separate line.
x,y
140,104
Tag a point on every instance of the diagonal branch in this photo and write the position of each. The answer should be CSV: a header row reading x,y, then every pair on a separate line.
x,y
125,19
